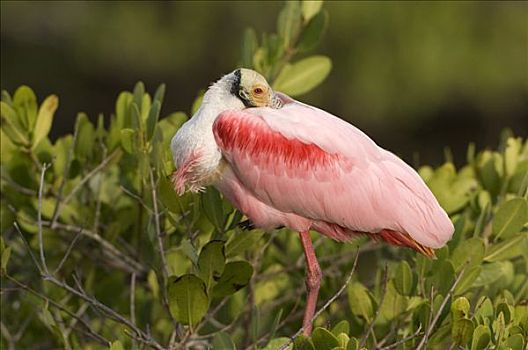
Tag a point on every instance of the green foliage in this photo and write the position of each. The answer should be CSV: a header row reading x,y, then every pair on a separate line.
x,y
95,239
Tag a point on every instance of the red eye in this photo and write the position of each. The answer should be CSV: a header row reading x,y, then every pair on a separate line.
x,y
258,91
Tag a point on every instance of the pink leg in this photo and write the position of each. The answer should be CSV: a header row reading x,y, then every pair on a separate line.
x,y
313,281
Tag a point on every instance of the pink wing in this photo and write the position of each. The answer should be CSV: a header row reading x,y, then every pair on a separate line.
x,y
302,160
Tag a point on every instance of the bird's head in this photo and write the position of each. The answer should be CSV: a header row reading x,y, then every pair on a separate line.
x,y
245,88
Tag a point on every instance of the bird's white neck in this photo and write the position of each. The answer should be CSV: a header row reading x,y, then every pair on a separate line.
x,y
217,99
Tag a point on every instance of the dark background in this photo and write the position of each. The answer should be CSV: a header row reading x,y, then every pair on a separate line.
x,y
416,76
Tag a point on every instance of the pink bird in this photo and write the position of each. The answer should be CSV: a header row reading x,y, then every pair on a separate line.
x,y
285,163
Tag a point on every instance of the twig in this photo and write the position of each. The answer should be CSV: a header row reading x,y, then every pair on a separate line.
x,y
10,340
158,226
437,316
97,215
164,265
129,262
65,175
19,188
80,184
133,298
136,197
96,336
39,219
327,304
68,251
28,247
400,342
382,299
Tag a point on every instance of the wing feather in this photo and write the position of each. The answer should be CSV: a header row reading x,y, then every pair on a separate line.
x,y
302,160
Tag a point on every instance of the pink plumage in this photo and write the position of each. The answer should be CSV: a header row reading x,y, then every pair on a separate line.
x,y
304,168
290,164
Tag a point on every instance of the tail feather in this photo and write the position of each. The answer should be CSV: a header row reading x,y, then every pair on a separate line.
x,y
343,234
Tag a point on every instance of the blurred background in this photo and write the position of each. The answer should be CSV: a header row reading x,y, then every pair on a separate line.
x,y
415,76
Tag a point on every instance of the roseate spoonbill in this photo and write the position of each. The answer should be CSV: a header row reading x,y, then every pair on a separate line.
x,y
285,163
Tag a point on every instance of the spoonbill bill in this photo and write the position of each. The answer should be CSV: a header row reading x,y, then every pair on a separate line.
x,y
284,163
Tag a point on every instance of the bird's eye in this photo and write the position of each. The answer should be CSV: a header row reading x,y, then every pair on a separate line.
x,y
258,91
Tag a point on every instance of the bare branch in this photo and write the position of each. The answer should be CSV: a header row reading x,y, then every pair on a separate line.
x,y
406,339
133,297
33,257
371,325
39,219
439,312
96,336
79,185
68,251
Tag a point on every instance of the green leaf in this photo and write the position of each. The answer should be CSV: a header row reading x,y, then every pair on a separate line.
x,y
116,345
403,280
492,272
11,126
443,277
461,331
511,155
152,119
312,34
359,300
507,249
467,280
129,140
122,109
152,281
343,340
510,218
470,251
84,147
451,190
278,343
6,253
289,22
310,8
481,338
483,308
515,342
488,173
139,91
188,299
323,339
460,308
222,340
212,207
44,119
236,276
242,241
393,304
211,262
303,76
249,46
342,327
303,343
25,104
353,344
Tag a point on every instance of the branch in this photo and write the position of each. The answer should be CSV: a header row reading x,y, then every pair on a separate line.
x,y
39,219
68,251
96,336
442,306
382,299
61,204
400,342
